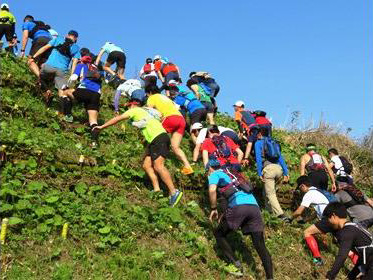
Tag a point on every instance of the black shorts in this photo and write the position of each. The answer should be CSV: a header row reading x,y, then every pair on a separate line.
x,y
38,44
208,106
198,116
117,57
324,226
160,146
7,30
319,179
91,99
247,217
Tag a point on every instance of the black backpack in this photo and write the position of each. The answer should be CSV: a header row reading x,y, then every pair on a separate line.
x,y
39,25
64,48
238,183
347,166
222,148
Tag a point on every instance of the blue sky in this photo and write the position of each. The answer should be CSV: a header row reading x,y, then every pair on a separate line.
x,y
279,56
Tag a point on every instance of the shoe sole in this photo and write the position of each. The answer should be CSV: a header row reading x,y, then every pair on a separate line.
x,y
177,199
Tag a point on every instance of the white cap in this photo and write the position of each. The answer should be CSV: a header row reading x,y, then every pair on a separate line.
x,y
196,125
157,57
4,5
53,33
172,82
239,103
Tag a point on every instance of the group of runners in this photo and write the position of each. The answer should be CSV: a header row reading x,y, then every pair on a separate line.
x,y
165,109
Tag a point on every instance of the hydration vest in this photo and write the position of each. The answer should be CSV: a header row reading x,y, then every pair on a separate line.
x,y
315,163
39,25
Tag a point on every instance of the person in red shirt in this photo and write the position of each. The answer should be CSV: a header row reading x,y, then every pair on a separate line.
x,y
209,149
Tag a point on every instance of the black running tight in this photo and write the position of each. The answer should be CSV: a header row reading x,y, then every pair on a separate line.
x,y
258,241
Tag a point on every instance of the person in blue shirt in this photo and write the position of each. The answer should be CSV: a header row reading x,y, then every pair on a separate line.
x,y
88,93
270,171
115,55
64,51
188,102
243,212
38,32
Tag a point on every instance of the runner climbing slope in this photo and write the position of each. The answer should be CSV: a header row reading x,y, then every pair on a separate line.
x,y
157,149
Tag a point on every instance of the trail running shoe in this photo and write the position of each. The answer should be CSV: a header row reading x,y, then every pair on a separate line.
x,y
174,199
187,171
318,261
68,118
234,270
94,145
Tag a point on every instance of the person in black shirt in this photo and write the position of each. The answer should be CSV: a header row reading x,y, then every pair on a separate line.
x,y
353,237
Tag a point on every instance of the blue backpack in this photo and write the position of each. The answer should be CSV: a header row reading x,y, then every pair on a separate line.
x,y
331,197
272,149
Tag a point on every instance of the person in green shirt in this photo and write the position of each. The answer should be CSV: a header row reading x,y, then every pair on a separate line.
x,y
7,24
157,149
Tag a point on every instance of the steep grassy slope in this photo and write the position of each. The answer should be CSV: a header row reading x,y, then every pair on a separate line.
x,y
117,229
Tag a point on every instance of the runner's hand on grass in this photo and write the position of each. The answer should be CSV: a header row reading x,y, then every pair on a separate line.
x,y
286,179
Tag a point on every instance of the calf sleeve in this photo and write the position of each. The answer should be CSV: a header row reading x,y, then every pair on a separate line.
x,y
68,104
94,132
260,247
220,234
313,246
353,256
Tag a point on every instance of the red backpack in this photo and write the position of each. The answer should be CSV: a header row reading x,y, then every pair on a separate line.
x,y
167,68
316,162
147,68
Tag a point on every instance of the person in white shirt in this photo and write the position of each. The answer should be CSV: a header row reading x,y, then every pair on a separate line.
x,y
336,164
148,73
115,55
318,200
130,89
200,133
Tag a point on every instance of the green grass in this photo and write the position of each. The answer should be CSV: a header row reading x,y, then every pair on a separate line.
x,y
117,229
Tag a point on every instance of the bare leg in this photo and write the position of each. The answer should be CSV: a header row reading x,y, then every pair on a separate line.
x,y
92,116
34,67
175,145
108,69
147,165
121,73
210,117
164,174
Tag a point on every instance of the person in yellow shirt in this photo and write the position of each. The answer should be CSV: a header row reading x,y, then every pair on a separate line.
x,y
7,24
157,149
173,122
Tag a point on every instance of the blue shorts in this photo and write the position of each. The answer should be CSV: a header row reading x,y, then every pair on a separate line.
x,y
172,76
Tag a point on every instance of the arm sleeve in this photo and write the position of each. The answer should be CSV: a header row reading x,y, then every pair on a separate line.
x,y
283,165
344,247
116,100
258,157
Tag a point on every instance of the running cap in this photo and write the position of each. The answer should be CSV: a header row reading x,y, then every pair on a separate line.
x,y
165,60
157,57
172,83
192,74
239,103
4,6
196,126
73,33
149,60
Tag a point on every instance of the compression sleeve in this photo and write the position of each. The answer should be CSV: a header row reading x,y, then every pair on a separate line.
x,y
116,100
258,157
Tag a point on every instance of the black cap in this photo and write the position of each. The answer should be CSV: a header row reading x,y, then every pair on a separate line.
x,y
149,60
303,180
73,33
192,73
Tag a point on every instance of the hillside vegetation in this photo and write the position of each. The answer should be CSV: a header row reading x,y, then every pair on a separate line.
x,y
116,228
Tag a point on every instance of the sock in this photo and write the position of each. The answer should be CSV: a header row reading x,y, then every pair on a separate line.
x,y
353,256
94,133
312,245
68,104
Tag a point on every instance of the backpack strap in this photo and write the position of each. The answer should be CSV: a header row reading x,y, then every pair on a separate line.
x,y
362,248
